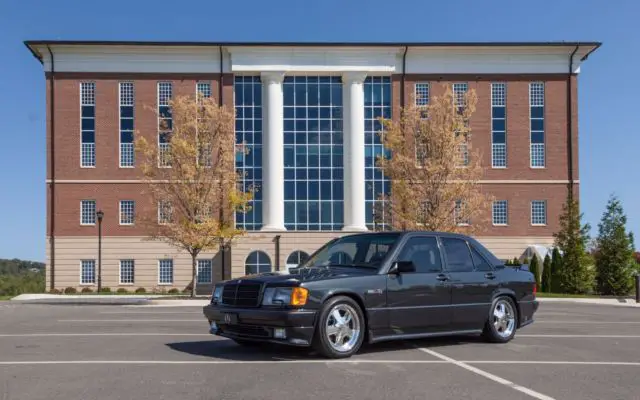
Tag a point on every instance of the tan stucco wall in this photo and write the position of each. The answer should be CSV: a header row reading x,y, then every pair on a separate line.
x,y
70,250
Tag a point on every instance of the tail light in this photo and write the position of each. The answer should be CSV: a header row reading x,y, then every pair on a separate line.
x,y
535,289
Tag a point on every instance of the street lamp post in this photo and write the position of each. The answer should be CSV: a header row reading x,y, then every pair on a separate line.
x,y
100,215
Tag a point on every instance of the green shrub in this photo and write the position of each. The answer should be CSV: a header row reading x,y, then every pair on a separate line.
x,y
547,273
534,267
141,290
122,290
174,291
70,290
86,290
105,290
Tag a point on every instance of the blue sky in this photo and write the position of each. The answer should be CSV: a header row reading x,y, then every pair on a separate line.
x,y
608,85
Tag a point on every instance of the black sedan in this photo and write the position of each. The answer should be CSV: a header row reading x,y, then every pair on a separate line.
x,y
375,287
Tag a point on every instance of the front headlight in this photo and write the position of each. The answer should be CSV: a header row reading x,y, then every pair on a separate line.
x,y
217,294
279,296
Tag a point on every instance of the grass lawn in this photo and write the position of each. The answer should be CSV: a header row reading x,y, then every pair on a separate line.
x,y
5,297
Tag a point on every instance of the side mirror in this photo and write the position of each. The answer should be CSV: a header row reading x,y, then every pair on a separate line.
x,y
402,267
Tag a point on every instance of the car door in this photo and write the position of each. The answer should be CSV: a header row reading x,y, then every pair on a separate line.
x,y
472,283
419,301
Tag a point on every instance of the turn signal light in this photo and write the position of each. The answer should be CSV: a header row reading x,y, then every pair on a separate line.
x,y
299,296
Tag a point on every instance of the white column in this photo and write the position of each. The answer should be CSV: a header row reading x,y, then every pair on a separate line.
x,y
353,125
272,152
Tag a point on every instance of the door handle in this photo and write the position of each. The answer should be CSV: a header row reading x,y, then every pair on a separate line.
x,y
442,277
490,275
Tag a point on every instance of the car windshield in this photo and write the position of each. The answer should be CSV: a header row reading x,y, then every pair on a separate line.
x,y
357,251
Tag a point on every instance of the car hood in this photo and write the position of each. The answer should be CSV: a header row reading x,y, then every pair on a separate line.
x,y
306,275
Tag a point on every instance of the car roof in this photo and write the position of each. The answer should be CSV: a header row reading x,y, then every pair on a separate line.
x,y
476,244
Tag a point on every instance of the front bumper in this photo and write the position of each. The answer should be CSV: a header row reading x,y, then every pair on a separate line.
x,y
257,324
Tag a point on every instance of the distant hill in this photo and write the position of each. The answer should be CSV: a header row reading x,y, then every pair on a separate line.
x,y
19,276
15,266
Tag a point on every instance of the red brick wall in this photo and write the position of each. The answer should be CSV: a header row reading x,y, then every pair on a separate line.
x,y
107,118
67,155
518,134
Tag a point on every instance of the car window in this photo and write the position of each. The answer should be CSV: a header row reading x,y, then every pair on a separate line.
x,y
424,253
480,263
458,255
365,250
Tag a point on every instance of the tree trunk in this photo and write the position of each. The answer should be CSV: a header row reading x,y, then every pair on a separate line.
x,y
194,273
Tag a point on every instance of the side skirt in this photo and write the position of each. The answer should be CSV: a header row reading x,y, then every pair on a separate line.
x,y
376,339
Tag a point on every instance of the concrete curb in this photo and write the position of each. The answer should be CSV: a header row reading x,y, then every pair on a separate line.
x,y
138,300
620,302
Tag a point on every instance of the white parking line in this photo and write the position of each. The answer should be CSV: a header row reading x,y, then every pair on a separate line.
x,y
133,320
488,375
581,336
101,334
151,362
561,321
445,360
151,312
621,363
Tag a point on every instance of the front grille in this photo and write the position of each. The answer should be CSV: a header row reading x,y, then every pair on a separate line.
x,y
247,330
245,294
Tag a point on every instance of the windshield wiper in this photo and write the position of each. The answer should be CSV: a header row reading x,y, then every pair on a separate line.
x,y
352,265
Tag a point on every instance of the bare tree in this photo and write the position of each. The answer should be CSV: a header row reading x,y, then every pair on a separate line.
x,y
191,176
433,170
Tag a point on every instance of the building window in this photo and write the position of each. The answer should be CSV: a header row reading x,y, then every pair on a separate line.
x,y
421,101
203,89
536,103
165,211
313,158
377,103
127,212
204,271
127,272
205,150
88,212
538,212
88,124
165,123
460,102
296,258
87,272
248,104
459,214
257,262
499,212
165,271
499,125
127,153
422,90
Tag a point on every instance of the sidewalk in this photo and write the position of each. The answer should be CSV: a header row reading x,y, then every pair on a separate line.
x,y
117,299
620,302
171,301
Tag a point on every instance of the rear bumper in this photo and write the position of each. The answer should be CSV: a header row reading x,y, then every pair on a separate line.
x,y
527,310
261,324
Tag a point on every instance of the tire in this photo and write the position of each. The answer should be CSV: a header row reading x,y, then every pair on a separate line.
x,y
499,329
336,337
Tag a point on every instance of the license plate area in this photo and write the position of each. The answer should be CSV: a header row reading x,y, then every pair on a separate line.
x,y
230,318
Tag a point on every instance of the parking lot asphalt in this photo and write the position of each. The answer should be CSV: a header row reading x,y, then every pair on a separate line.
x,y
572,351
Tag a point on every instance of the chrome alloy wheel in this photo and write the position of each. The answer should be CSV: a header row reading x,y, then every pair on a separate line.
x,y
504,320
343,328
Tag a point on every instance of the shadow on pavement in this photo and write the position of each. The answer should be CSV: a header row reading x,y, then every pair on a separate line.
x,y
226,349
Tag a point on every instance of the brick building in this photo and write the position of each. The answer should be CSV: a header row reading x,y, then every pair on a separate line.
x,y
308,112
